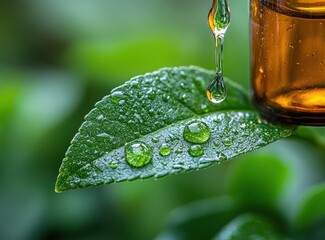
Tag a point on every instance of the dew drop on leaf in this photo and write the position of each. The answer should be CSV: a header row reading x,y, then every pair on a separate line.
x,y
116,97
196,132
227,142
113,165
196,150
164,149
137,154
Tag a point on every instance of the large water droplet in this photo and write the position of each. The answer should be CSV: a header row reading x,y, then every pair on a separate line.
x,y
137,154
164,149
196,150
196,132
216,91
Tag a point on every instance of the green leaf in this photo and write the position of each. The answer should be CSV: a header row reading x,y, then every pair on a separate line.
x,y
151,112
200,220
312,208
247,227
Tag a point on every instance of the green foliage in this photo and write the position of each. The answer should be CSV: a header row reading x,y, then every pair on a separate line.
x,y
266,173
156,109
312,209
248,227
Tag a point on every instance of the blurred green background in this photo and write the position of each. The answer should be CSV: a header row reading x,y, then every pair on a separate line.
x,y
57,58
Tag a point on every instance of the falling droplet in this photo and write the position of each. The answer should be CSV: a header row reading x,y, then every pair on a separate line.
x,y
196,132
137,154
164,149
113,165
196,150
219,21
216,91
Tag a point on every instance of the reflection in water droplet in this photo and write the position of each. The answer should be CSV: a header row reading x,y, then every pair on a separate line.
x,y
137,154
196,150
113,165
216,91
196,132
164,149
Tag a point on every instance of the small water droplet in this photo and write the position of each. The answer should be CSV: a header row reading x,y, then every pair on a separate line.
x,y
165,97
137,154
104,135
184,98
113,165
117,96
154,140
196,132
101,117
164,149
151,94
179,151
227,142
222,156
196,150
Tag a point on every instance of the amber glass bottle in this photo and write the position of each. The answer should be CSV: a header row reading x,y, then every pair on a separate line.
x,y
288,60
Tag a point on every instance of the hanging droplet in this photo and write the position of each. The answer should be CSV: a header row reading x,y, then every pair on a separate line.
x,y
196,150
216,91
196,132
219,20
137,154
164,149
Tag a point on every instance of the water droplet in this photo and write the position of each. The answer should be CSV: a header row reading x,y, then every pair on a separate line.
x,y
165,97
216,91
164,149
151,94
113,165
155,140
219,21
104,135
196,150
221,156
227,142
117,96
196,132
184,98
137,154
101,117
179,151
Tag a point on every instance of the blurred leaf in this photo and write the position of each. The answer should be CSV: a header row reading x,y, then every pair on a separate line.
x,y
199,220
312,209
259,180
315,135
152,111
249,227
110,59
